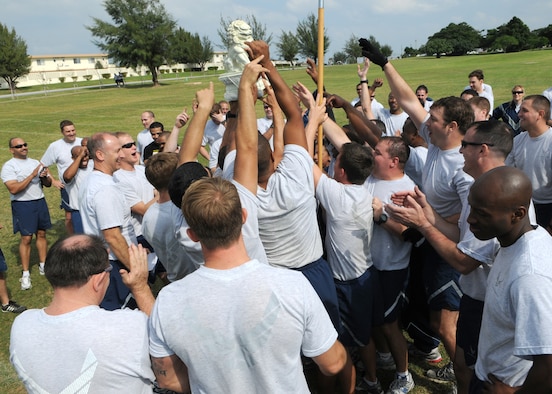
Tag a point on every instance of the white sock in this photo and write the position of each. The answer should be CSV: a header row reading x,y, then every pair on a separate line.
x,y
26,273
41,265
403,375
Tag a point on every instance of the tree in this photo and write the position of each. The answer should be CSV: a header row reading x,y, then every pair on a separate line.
x,y
545,32
140,34
190,48
438,46
513,36
410,52
461,37
288,47
352,50
339,57
258,30
307,36
14,60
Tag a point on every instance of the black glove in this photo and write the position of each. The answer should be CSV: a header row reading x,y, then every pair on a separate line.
x,y
372,53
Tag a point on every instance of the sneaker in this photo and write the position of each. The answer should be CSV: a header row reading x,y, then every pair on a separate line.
x,y
445,374
25,282
401,384
41,269
365,387
432,357
13,307
385,364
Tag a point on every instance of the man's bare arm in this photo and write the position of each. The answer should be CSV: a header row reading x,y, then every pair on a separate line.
x,y
171,373
118,245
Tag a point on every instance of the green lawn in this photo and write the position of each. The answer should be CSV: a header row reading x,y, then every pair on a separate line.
x,y
36,118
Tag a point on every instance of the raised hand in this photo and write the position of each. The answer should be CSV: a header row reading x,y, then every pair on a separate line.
x,y
372,53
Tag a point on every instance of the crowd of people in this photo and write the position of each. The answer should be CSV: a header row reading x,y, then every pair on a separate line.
x,y
286,268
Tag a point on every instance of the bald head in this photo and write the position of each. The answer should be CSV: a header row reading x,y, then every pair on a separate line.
x,y
499,201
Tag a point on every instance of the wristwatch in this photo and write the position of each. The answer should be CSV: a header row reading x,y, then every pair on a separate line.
x,y
383,218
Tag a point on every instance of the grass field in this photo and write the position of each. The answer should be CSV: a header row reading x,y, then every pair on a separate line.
x,y
35,118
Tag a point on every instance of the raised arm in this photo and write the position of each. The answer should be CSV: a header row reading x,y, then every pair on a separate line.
x,y
247,136
294,132
402,92
172,142
71,171
191,142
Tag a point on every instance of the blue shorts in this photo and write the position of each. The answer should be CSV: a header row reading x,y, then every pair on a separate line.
x,y
117,296
356,307
65,201
392,288
440,281
30,216
320,276
76,219
544,214
3,265
468,327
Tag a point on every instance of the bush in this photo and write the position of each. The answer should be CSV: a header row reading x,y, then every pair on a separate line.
x,y
98,65
61,79
87,77
212,68
106,76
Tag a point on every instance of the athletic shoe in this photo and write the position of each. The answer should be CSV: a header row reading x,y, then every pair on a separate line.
x,y
401,384
365,387
13,307
432,357
385,364
445,374
41,269
25,282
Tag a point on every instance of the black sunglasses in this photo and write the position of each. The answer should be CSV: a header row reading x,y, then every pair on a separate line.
x,y
20,146
517,92
466,143
128,145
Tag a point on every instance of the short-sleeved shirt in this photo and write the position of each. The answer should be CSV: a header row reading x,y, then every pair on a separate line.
x,y
246,326
517,317
287,212
349,222
19,169
59,152
103,206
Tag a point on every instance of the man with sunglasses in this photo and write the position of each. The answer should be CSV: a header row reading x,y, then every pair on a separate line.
x,y
95,350
24,177
106,213
508,112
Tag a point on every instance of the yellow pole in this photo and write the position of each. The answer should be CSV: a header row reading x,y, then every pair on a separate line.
x,y
320,96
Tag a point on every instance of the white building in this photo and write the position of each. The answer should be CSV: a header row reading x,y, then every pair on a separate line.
x,y
51,69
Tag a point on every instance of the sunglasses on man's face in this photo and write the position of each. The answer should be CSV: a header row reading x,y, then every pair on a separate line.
x,y
128,145
20,146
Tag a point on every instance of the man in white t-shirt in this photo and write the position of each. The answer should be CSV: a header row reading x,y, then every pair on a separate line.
x,y
250,328
95,350
515,346
532,153
394,117
144,137
476,80
106,213
24,178
59,153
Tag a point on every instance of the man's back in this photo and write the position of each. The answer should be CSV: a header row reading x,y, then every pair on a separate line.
x,y
247,330
90,347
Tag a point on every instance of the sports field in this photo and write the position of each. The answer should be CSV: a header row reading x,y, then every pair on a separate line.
x,y
35,118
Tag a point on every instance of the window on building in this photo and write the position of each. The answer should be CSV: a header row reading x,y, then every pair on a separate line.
x,y
76,61
40,62
91,60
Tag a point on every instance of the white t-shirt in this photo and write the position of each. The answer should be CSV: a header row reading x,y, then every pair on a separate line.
x,y
389,252
548,94
287,212
73,187
517,315
263,124
158,230
534,157
241,330
444,181
393,122
349,222
19,169
136,188
59,152
89,350
143,139
212,132
103,206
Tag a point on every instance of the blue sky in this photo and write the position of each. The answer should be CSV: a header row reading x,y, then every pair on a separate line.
x,y
58,26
